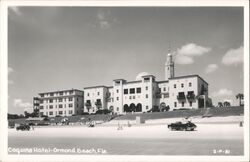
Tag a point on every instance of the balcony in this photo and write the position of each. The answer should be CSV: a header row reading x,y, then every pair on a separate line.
x,y
191,96
181,96
87,104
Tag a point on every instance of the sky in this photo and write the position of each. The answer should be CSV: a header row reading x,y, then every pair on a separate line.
x,y
55,48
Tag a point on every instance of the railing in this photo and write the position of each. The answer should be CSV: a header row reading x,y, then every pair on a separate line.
x,y
190,96
181,97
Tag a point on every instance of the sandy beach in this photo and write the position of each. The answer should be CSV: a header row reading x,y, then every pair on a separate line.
x,y
150,138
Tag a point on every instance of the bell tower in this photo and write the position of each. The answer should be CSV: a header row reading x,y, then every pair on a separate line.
x,y
169,66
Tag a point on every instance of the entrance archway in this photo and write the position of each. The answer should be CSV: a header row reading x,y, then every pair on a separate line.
x,y
138,107
132,107
126,108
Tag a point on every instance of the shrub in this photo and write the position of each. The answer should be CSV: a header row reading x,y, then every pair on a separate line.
x,y
105,111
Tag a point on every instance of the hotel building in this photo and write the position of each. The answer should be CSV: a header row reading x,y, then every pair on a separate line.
x,y
60,103
142,95
145,93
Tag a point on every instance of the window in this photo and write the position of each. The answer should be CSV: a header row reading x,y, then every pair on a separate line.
x,y
41,107
87,94
175,104
182,85
133,97
166,95
146,107
146,88
98,93
71,92
174,85
125,91
70,112
190,84
60,106
117,109
130,97
60,93
41,101
42,95
164,89
138,90
146,95
117,98
70,105
117,91
132,91
51,113
60,112
51,101
147,79
70,99
51,106
190,103
182,104
60,99
51,94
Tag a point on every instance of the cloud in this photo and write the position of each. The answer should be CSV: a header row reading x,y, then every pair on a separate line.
x,y
211,68
192,49
186,53
104,24
21,104
15,10
10,70
222,92
233,56
104,20
183,60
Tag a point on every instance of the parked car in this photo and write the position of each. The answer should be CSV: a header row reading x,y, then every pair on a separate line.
x,y
179,126
23,127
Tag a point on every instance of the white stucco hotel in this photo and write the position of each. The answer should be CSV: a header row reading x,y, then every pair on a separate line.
x,y
60,103
142,95
146,93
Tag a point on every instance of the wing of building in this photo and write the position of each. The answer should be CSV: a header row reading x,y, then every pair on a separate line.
x,y
145,94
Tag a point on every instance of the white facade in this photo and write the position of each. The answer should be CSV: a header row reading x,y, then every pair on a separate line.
x,y
145,93
61,103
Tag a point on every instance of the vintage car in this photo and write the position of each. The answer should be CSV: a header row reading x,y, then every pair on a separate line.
x,y
23,127
180,126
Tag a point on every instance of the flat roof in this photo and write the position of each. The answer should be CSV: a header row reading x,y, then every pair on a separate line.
x,y
61,91
99,86
136,81
188,76
163,81
147,76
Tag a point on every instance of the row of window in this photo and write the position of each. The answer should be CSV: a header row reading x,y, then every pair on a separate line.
x,y
183,103
57,100
182,85
57,93
59,106
59,112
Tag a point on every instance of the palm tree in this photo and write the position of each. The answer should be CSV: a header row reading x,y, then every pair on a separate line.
x,y
226,104
240,96
220,104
